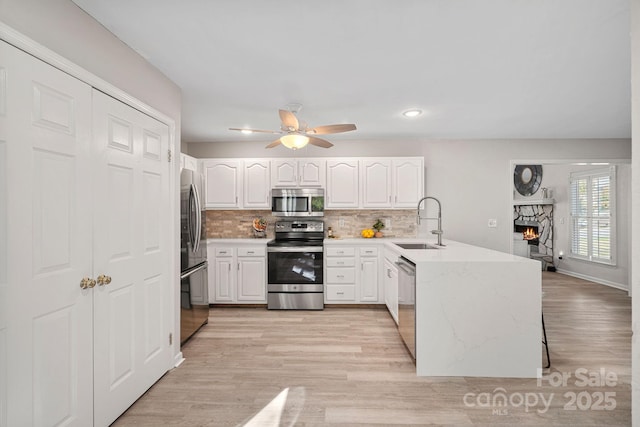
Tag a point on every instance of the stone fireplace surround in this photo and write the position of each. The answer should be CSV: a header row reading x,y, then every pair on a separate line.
x,y
543,215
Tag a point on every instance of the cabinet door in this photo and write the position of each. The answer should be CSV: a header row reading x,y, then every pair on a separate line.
x,y
46,326
225,279
284,173
376,183
188,162
391,288
252,282
223,180
256,183
408,182
368,280
131,214
312,172
342,184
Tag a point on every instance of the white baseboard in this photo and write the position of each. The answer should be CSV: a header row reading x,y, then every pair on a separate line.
x,y
594,279
178,360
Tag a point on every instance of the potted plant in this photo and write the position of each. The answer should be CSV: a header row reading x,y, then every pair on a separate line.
x,y
378,226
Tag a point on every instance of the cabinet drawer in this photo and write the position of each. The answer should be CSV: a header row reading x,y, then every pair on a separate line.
x,y
222,252
252,251
340,262
368,251
340,292
339,251
341,275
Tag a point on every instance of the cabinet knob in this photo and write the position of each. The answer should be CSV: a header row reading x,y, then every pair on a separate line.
x,y
103,280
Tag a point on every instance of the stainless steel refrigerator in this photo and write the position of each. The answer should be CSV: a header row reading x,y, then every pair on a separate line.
x,y
194,295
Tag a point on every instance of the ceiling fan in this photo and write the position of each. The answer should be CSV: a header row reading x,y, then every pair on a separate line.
x,y
296,134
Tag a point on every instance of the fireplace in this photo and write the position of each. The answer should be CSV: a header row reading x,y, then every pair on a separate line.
x,y
537,222
529,229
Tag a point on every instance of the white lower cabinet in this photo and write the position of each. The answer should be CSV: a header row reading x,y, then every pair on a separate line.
x,y
390,279
340,274
368,279
351,274
239,273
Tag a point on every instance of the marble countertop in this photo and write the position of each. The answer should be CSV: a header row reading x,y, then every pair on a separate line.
x,y
451,252
250,240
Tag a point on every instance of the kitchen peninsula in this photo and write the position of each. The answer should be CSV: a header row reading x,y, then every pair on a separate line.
x,y
477,311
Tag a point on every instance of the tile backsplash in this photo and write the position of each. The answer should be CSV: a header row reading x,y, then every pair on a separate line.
x,y
234,224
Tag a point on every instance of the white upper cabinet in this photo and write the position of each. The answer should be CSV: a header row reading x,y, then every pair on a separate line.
x,y
311,172
342,184
408,181
223,183
350,183
392,183
257,183
376,183
188,162
298,173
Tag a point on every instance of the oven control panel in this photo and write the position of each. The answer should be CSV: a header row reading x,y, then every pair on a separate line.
x,y
299,225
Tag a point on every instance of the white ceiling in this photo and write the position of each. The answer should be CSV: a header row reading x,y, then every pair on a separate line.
x,y
478,68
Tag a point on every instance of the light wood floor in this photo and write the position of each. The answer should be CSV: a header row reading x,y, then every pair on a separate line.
x,y
348,367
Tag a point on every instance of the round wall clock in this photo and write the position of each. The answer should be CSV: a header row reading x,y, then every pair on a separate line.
x,y
527,179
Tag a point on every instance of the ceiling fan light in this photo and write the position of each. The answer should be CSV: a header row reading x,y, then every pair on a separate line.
x,y
294,141
412,113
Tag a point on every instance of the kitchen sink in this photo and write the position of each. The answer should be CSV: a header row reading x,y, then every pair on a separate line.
x,y
417,246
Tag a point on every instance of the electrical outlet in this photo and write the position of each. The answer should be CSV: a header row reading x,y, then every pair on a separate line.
x,y
387,223
493,223
341,222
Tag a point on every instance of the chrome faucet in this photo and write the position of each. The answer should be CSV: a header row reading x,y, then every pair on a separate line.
x,y
437,232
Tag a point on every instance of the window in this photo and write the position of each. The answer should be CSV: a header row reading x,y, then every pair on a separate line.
x,y
592,204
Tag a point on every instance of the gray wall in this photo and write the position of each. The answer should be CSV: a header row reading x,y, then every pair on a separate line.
x,y
66,29
556,178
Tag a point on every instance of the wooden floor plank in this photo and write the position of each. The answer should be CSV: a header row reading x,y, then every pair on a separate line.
x,y
349,367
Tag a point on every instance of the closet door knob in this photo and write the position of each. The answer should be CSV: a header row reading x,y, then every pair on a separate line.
x,y
104,280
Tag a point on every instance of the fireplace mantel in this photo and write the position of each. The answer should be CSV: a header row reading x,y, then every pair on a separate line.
x,y
522,202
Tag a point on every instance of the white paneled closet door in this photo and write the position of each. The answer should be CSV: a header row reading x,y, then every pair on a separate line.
x,y
46,338
132,216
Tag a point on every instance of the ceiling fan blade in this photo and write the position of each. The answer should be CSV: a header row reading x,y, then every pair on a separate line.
x,y
324,130
274,143
256,130
319,142
289,120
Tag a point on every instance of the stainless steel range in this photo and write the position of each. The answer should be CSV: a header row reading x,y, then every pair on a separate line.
x,y
295,265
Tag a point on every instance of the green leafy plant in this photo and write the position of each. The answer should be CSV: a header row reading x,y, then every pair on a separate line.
x,y
379,225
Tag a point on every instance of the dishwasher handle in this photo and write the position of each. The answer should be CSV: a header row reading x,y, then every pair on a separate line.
x,y
406,266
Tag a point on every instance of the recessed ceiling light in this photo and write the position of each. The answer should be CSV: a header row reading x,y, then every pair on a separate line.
x,y
246,131
412,113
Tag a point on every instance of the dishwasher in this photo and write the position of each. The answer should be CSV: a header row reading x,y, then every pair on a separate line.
x,y
407,303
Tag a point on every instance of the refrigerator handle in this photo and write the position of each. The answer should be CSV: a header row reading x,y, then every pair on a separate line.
x,y
198,217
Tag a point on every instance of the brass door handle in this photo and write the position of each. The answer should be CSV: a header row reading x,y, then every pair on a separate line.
x,y
104,280
86,282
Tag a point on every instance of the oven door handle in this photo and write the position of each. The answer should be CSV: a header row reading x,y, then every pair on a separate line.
x,y
294,249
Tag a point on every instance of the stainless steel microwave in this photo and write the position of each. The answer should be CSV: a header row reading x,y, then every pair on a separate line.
x,y
297,201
